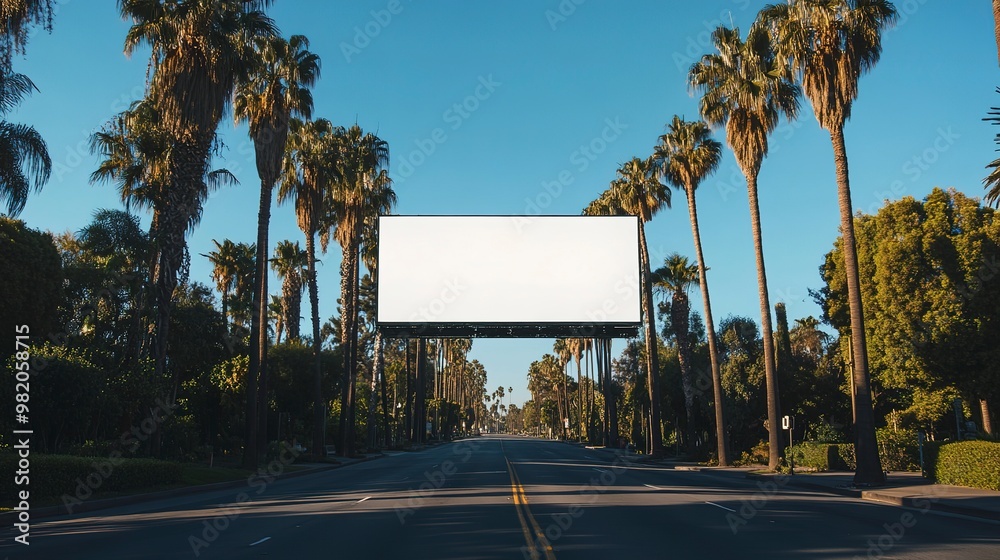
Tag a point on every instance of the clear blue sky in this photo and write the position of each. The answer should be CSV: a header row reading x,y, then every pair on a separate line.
x,y
547,85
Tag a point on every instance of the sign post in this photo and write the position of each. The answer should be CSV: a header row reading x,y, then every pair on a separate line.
x,y
788,423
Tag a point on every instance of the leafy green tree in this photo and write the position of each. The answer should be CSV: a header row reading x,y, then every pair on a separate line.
x,y
743,88
932,298
31,281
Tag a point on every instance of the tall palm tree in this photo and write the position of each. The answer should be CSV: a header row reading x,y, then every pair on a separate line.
x,y
743,89
24,159
638,191
675,277
829,44
687,154
362,188
992,181
200,50
996,25
276,313
563,353
290,262
307,178
277,89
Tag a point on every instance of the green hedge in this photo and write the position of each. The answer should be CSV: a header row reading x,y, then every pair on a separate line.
x,y
52,476
824,456
965,463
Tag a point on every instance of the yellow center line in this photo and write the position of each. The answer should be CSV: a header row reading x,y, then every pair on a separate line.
x,y
525,517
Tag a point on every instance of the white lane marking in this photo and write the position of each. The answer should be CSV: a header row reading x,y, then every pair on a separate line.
x,y
260,541
363,500
602,471
718,506
653,487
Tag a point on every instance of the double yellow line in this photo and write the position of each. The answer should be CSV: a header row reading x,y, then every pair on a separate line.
x,y
538,545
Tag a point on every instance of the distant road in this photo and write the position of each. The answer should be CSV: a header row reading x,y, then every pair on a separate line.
x,y
505,497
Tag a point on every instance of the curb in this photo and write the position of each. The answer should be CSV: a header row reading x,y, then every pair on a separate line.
x,y
922,503
95,505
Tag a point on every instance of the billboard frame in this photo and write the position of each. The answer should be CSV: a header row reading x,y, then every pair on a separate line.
x,y
486,329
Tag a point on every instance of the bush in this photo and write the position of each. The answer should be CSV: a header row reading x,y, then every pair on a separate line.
x,y
52,476
824,456
898,450
758,455
965,463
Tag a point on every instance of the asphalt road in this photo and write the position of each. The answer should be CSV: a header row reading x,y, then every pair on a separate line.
x,y
508,498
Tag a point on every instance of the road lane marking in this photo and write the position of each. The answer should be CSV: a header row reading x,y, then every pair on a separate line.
x,y
365,499
653,487
718,506
539,541
260,541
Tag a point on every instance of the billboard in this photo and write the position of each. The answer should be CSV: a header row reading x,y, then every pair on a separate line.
x,y
508,276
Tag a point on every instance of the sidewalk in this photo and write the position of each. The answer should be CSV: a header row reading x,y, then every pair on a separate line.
x,y
902,489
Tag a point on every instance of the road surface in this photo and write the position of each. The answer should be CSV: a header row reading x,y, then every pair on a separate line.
x,y
506,497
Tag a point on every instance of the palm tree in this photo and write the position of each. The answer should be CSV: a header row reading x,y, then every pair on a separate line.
x,y
996,25
276,313
24,159
562,351
200,50
224,272
992,181
289,262
306,180
639,192
17,17
362,188
829,44
741,90
675,277
278,89
687,154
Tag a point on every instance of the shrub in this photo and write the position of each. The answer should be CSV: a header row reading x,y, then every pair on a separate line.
x,y
824,456
965,463
898,450
52,476
758,455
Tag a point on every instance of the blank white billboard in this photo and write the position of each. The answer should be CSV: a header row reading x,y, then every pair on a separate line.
x,y
468,271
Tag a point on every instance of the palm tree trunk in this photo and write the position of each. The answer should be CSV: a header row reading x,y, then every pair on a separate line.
x,y
869,465
346,299
722,445
579,397
652,351
419,404
355,295
984,408
385,400
319,418
680,313
377,362
996,25
258,342
773,429
610,394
